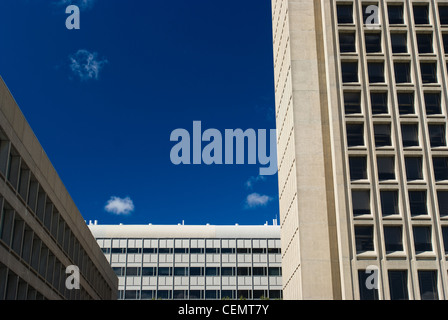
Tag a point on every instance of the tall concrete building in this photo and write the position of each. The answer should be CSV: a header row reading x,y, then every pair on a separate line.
x,y
42,233
361,111
193,262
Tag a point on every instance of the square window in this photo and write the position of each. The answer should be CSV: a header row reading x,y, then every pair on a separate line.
x,y
442,201
364,239
366,293
358,168
349,71
440,165
421,14
406,103
355,135
347,42
437,135
399,42
424,42
393,239
378,101
417,203
427,280
345,13
443,14
409,134
429,72
361,202
376,72
352,102
395,13
398,284
422,238
386,168
414,168
382,135
402,72
389,202
433,103
373,42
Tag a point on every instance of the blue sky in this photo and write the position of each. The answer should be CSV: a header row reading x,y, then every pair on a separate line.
x,y
153,67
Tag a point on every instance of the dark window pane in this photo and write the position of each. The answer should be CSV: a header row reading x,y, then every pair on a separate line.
x,y
414,168
429,72
406,103
212,271
148,271
421,14
376,72
389,203
352,102
398,284
395,14
347,42
132,271
165,271
417,203
422,239
373,42
361,202
433,103
442,200
386,168
164,294
345,13
427,281
393,238
378,102
445,42
399,42
349,71
180,294
196,271
358,168
424,41
181,271
131,294
355,135
409,134
443,14
445,239
440,165
364,292
364,239
437,135
148,294
402,72
382,135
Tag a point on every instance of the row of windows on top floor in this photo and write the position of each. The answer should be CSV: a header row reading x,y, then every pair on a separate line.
x,y
395,13
16,235
398,39
192,250
376,72
198,271
379,103
399,286
23,182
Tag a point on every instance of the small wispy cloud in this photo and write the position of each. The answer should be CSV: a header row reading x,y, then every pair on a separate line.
x,y
82,4
119,206
254,200
252,180
86,65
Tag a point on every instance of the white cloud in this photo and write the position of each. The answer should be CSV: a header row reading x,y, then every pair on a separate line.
x,y
82,4
252,180
86,65
119,206
257,200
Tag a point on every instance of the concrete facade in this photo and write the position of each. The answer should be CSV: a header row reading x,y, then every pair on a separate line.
x,y
41,230
193,262
336,225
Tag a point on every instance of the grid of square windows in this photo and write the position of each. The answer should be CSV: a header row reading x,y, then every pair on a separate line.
x,y
405,111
